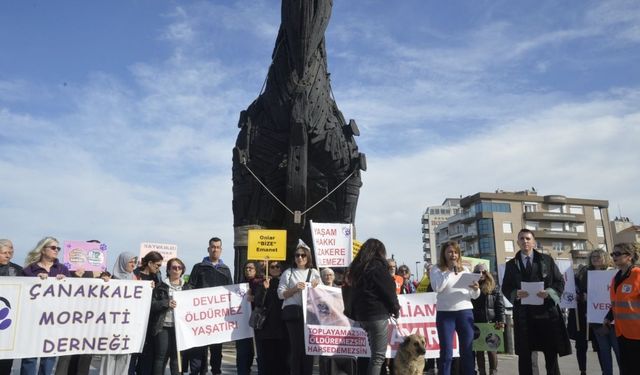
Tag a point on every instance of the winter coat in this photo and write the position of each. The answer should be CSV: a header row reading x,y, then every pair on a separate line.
x,y
488,308
10,269
205,275
274,327
543,268
374,295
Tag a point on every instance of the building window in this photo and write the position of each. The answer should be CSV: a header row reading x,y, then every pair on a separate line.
x,y
596,213
530,207
492,207
555,208
487,245
557,227
600,231
531,225
508,246
579,228
557,246
485,226
507,227
578,245
576,210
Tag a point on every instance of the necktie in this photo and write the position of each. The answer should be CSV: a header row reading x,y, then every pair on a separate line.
x,y
528,265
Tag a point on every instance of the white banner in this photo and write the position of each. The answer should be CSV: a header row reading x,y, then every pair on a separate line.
x,y
568,298
168,251
212,315
332,244
47,318
328,332
598,298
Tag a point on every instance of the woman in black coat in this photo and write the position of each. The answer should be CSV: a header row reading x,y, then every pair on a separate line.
x,y
488,308
272,344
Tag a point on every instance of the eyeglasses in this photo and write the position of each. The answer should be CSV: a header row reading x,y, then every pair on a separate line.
x,y
301,255
249,268
617,254
56,248
274,266
176,268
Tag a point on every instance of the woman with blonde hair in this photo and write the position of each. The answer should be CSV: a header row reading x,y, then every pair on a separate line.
x,y
43,262
488,308
454,309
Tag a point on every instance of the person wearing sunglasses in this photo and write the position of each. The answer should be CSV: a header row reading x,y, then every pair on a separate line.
x,y
43,262
625,305
161,320
244,347
149,270
272,344
293,281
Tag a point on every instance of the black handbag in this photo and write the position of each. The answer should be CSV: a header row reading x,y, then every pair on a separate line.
x,y
258,317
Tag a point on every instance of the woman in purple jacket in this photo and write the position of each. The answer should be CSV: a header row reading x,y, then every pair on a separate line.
x,y
43,262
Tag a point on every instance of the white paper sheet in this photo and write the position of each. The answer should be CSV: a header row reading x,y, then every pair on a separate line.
x,y
533,289
466,279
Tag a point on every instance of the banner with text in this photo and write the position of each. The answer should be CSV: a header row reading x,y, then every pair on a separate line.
x,y
212,315
568,298
598,298
267,244
332,244
328,332
168,251
88,256
50,318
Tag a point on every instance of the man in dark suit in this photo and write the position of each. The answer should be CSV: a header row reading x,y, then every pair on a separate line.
x,y
536,327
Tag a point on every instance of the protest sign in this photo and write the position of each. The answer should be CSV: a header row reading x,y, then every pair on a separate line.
x,y
267,244
168,251
328,332
332,244
50,318
212,315
424,284
489,338
88,256
568,298
598,297
356,248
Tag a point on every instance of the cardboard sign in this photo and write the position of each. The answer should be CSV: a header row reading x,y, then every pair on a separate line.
x,y
168,251
88,256
268,244
51,318
489,338
424,284
598,297
328,332
212,315
332,244
471,263
356,248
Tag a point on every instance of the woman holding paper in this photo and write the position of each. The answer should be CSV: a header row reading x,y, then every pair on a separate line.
x,y
625,305
454,308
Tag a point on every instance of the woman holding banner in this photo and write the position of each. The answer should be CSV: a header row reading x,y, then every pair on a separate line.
x,y
293,281
43,262
374,298
625,305
7,268
455,310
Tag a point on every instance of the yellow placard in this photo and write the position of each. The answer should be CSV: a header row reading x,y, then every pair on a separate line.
x,y
355,248
424,284
267,244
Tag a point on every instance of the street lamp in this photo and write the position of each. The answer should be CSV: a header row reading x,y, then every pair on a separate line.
x,y
417,278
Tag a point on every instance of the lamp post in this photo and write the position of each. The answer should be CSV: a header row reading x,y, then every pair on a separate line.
x,y
417,278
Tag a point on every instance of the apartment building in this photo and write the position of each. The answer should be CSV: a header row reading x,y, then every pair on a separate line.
x,y
624,230
432,217
488,225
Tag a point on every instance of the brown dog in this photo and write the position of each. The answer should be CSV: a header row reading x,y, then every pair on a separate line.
x,y
410,356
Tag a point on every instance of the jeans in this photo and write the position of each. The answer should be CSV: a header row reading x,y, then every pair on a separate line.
x,y
606,341
448,322
198,359
5,366
28,366
165,350
377,333
244,356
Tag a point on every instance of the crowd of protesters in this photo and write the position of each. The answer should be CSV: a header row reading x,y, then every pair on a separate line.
x,y
278,347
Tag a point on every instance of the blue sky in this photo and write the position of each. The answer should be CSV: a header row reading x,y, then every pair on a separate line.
x,y
117,119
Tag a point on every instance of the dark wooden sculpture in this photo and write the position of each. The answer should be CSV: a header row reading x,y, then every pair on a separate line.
x,y
294,143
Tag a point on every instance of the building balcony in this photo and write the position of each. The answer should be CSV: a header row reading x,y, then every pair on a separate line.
x,y
545,233
470,234
554,216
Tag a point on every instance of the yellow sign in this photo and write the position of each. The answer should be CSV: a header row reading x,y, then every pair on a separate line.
x,y
424,284
267,244
356,247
